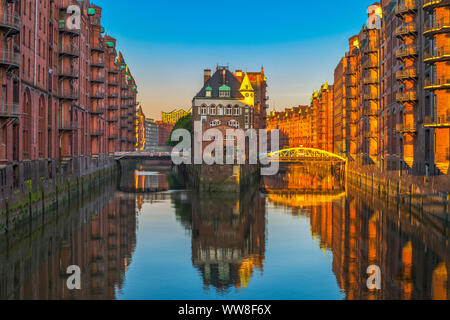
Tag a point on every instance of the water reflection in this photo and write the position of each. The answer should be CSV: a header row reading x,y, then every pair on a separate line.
x,y
99,237
360,231
239,247
228,239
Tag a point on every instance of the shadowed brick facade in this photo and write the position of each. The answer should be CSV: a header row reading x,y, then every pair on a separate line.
x,y
56,111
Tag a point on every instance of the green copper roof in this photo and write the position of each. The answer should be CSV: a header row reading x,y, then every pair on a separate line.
x,y
224,88
91,12
208,88
110,44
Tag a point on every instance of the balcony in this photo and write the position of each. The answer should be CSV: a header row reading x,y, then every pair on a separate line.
x,y
113,83
97,132
409,73
407,96
112,120
97,95
69,51
97,63
97,47
437,83
113,95
10,110
68,125
370,112
370,64
113,107
406,52
68,73
113,136
435,27
9,59
430,5
371,48
10,23
442,121
97,78
406,30
114,70
69,95
98,110
406,8
437,55
370,80
371,96
62,27
409,128
370,135
350,71
351,82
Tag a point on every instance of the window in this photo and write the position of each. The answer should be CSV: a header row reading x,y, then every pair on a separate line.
x,y
224,94
215,123
233,123
203,112
220,111
212,110
236,111
229,111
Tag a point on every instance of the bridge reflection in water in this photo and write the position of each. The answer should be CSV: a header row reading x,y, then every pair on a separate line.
x,y
230,246
360,231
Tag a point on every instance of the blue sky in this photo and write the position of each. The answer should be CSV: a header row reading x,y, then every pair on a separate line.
x,y
167,44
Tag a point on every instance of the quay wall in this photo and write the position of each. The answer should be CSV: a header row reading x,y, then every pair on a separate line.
x,y
42,185
411,192
221,178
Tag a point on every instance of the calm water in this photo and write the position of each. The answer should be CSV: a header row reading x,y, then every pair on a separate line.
x,y
304,238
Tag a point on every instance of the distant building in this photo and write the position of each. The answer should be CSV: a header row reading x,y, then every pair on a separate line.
x,y
151,134
164,130
174,116
140,129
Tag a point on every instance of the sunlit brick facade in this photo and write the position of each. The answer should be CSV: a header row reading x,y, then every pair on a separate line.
x,y
397,88
307,126
55,85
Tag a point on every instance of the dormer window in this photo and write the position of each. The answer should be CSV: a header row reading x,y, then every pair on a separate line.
x,y
224,91
208,91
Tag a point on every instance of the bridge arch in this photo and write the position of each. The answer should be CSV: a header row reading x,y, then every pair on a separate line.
x,y
305,154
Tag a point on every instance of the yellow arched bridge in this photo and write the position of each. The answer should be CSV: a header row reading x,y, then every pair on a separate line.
x,y
305,155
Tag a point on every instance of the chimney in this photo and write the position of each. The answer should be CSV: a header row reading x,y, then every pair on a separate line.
x,y
207,75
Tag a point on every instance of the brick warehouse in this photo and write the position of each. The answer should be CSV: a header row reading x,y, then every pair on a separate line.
x,y
68,98
391,92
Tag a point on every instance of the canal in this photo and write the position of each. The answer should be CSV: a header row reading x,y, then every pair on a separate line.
x,y
300,235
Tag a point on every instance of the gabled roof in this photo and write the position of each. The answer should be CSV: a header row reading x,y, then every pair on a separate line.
x,y
246,84
216,81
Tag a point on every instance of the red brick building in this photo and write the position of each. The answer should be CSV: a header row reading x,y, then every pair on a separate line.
x,y
63,91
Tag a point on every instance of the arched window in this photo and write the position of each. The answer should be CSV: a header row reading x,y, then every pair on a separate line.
x,y
220,111
236,110
212,110
229,111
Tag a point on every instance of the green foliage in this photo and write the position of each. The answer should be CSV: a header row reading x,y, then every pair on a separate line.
x,y
183,123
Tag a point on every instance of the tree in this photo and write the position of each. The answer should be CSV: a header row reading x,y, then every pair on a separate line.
x,y
183,123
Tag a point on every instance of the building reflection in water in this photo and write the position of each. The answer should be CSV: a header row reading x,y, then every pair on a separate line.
x,y
99,237
412,251
228,239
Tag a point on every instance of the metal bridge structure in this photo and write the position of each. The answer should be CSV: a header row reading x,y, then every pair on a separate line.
x,y
305,155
